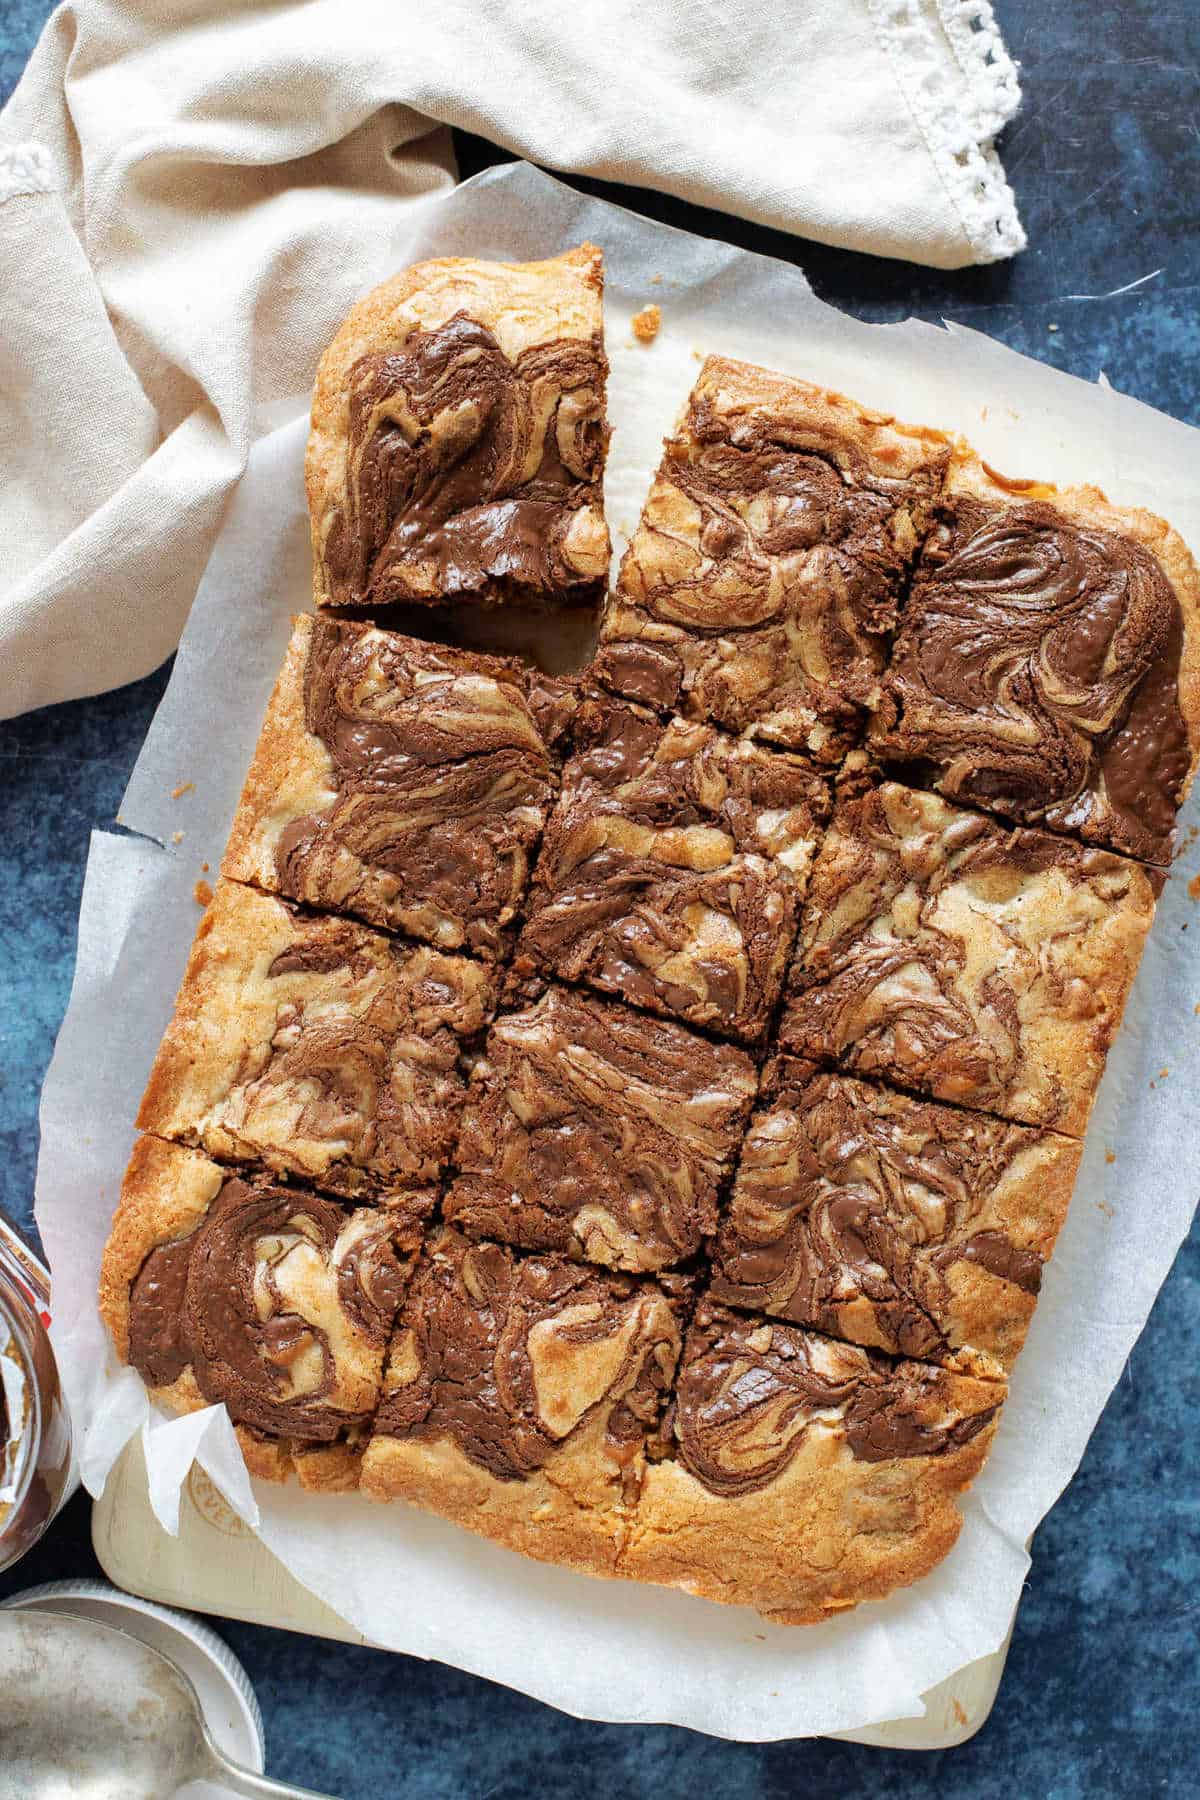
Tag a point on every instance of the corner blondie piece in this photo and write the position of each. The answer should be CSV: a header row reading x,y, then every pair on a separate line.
x,y
520,1395
891,1222
764,578
458,437
806,1475
223,1286
945,952
404,782
596,1130
672,868
316,1047
1048,664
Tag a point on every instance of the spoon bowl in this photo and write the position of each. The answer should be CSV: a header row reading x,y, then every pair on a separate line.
x,y
90,1712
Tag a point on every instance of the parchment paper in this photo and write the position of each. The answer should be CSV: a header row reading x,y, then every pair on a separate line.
x,y
612,1650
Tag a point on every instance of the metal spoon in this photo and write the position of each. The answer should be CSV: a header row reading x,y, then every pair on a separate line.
x,y
91,1712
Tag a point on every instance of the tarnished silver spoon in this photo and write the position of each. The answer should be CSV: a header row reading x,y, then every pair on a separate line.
x,y
90,1712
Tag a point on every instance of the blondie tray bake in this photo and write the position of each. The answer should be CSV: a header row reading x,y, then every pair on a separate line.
x,y
631,1114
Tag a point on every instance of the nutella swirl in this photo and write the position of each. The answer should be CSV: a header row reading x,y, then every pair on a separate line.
x,y
1037,674
279,1302
342,1066
762,580
671,869
853,1204
983,965
469,474
596,1130
749,1394
441,783
509,1357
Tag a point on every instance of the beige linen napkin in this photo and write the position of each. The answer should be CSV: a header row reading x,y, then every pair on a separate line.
x,y
192,193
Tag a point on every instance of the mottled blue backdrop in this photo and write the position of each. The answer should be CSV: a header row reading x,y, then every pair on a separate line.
x,y
1101,1694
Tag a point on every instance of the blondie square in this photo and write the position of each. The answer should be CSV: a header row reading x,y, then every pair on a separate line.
x,y
892,1222
980,964
222,1285
404,782
672,868
316,1047
520,1395
765,575
596,1130
458,437
804,1476
1048,663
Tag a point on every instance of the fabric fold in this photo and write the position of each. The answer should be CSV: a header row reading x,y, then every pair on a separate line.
x,y
192,196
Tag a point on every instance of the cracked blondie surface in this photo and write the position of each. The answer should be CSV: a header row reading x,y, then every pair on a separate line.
x,y
615,1112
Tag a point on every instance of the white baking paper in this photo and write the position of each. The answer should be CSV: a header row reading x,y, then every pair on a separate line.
x,y
612,1650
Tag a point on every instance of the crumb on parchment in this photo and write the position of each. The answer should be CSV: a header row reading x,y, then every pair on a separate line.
x,y
1194,887
203,892
185,787
1110,1156
177,837
646,323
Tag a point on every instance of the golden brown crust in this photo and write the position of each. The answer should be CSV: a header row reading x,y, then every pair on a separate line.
x,y
291,772
536,1517
519,1396
318,1468
807,1475
806,415
828,1535
521,305
308,1290
164,1195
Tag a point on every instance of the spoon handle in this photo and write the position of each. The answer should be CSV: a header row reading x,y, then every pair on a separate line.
x,y
239,1780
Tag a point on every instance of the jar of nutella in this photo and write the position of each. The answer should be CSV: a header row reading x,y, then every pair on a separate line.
x,y
35,1427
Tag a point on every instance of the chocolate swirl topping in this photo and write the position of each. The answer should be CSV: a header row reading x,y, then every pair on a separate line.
x,y
852,1204
670,869
442,781
279,1302
984,965
762,581
357,1069
509,1357
749,1394
1037,673
468,473
597,1130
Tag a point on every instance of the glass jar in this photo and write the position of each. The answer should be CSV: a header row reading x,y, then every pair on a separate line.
x,y
35,1427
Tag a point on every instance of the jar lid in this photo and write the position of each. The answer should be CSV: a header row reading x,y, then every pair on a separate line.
x,y
227,1699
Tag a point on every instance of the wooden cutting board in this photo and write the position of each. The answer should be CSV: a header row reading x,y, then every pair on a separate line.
x,y
217,1565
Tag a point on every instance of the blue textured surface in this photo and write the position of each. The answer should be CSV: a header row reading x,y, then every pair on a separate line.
x,y
1101,1693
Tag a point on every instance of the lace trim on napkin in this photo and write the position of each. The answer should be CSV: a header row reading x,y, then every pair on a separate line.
x,y
959,102
25,169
